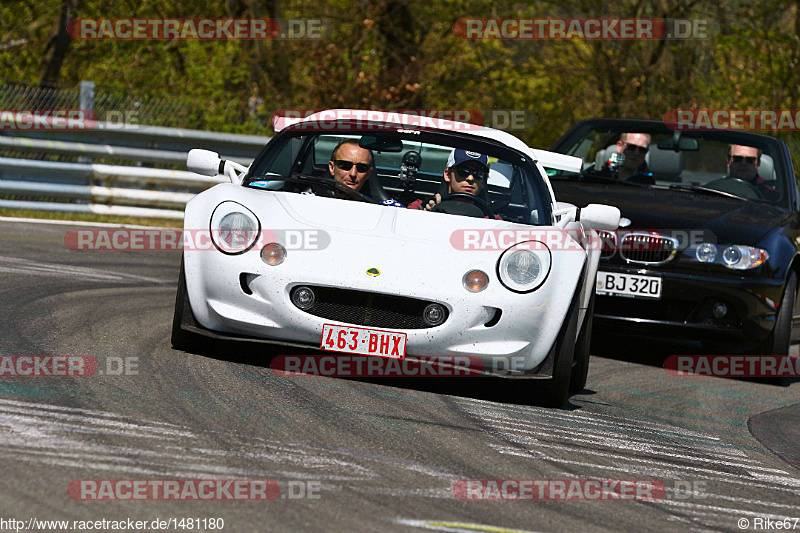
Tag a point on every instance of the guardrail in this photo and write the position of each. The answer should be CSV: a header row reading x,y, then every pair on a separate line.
x,y
137,188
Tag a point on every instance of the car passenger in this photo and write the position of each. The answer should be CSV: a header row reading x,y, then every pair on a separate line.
x,y
632,147
466,172
743,164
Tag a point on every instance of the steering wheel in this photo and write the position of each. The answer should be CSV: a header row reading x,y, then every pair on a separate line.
x,y
736,186
454,197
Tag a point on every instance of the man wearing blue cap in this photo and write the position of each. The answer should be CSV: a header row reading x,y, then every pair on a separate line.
x,y
466,172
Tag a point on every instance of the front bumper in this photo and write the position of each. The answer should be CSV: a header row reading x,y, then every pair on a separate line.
x,y
685,308
523,335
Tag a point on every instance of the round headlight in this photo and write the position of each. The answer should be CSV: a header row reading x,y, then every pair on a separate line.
x,y
475,280
523,267
434,314
706,253
304,298
740,257
523,270
234,228
273,254
732,255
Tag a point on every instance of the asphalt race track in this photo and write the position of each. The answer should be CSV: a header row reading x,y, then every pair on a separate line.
x,y
373,456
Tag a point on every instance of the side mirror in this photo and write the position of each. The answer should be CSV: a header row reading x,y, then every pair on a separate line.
x,y
599,216
204,162
564,214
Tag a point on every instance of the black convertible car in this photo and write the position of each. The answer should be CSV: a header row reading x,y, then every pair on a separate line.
x,y
708,247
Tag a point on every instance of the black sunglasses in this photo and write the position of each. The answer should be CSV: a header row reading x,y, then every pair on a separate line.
x,y
744,159
635,147
477,172
347,165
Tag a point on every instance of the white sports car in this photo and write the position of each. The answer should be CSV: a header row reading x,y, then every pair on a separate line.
x,y
384,236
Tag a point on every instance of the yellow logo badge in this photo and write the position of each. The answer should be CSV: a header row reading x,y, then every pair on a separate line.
x,y
374,272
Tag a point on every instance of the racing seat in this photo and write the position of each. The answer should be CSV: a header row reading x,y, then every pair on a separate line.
x,y
601,158
666,165
766,171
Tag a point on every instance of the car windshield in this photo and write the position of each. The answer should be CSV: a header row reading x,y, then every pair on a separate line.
x,y
723,163
407,171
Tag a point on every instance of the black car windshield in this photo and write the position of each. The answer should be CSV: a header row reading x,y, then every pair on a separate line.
x,y
406,170
721,163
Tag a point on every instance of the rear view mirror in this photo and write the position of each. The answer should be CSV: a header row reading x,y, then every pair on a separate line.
x,y
678,144
379,144
599,216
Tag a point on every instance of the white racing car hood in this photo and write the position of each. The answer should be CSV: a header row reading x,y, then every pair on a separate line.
x,y
367,219
381,249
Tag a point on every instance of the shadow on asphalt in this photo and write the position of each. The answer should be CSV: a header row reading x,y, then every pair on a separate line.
x,y
654,352
523,392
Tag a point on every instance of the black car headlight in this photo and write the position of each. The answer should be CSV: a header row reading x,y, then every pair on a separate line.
x,y
733,256
234,228
524,266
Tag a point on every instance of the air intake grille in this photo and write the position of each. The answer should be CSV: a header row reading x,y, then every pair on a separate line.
x,y
368,308
647,249
608,240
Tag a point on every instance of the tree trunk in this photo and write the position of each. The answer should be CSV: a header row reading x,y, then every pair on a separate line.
x,y
58,44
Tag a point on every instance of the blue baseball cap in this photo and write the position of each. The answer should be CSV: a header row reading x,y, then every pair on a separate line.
x,y
459,156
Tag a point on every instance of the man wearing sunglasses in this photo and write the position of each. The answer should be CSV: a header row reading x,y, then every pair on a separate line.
x,y
633,147
743,164
466,172
350,164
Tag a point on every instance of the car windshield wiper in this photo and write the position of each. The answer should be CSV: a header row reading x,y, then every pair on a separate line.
x,y
589,176
328,183
699,188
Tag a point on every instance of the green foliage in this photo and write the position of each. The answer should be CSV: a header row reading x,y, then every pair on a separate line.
x,y
404,54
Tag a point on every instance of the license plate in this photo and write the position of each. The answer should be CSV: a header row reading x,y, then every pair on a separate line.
x,y
628,285
364,341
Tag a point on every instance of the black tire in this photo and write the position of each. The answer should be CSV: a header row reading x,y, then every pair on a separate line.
x,y
556,389
580,364
181,339
780,339
779,342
